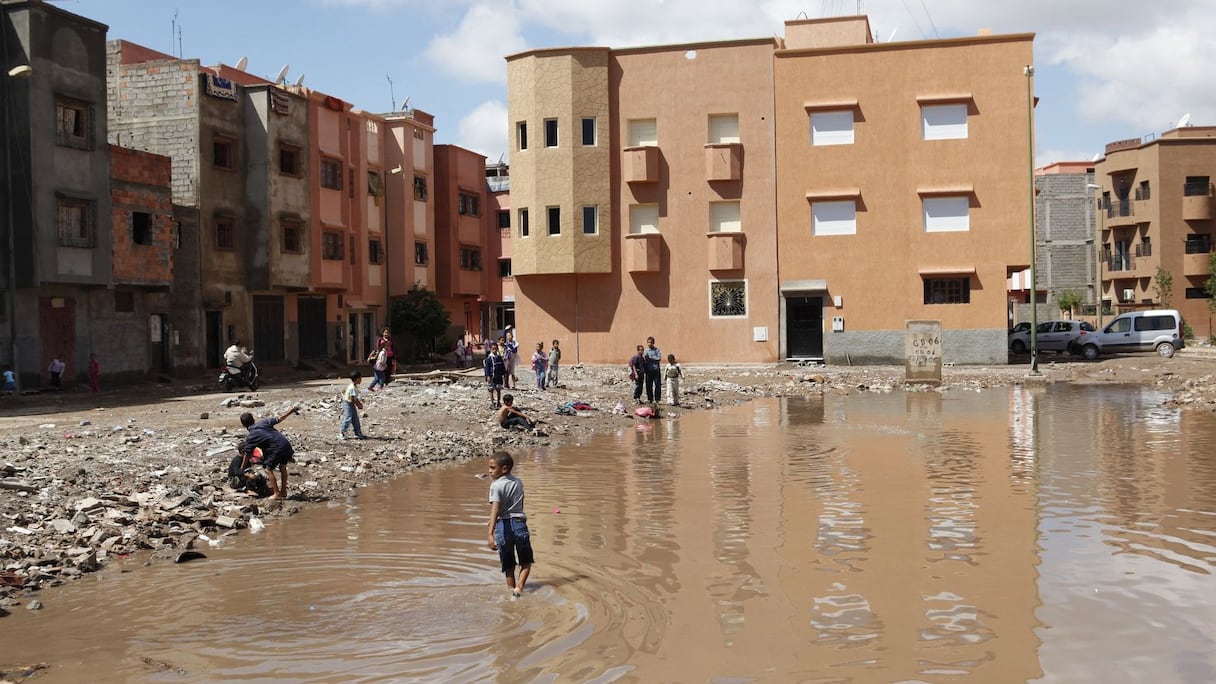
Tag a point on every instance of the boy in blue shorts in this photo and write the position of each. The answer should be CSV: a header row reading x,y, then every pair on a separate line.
x,y
508,526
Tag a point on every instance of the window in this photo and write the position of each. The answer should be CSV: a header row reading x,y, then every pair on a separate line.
x,y
374,254
420,257
521,134
223,152
834,218
1154,323
723,128
550,132
331,174
504,268
728,298
124,301
1199,243
947,214
73,123
523,223
468,204
76,222
944,122
724,217
554,215
588,131
470,258
832,128
1142,192
947,290
643,133
1197,293
591,220
504,220
350,184
289,160
374,188
643,218
293,235
333,247
141,227
1197,186
420,188
225,232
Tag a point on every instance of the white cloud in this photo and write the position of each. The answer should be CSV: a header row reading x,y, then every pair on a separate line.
x,y
484,130
475,50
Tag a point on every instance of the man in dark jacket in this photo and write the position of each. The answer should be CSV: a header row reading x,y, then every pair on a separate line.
x,y
276,448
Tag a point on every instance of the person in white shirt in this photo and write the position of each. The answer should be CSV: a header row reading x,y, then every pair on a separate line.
x,y
237,357
56,370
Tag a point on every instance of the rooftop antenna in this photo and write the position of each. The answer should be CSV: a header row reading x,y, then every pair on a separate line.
x,y
392,97
892,35
405,106
242,63
300,81
278,80
1184,121
172,30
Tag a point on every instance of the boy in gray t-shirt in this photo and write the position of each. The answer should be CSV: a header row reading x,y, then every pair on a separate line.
x,y
508,526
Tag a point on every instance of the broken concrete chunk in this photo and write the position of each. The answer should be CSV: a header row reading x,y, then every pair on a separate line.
x,y
63,526
88,504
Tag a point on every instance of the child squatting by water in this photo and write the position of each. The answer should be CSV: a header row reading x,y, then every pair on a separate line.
x,y
508,526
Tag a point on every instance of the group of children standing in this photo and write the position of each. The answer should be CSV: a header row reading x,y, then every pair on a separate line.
x,y
646,370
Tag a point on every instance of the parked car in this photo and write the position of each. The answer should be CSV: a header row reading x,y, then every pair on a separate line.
x,y
1158,330
1020,327
1056,336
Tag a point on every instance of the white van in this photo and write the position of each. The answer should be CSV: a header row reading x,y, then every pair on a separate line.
x,y
1158,330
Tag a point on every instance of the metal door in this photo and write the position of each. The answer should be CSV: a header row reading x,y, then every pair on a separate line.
x,y
804,327
215,337
57,334
268,337
314,338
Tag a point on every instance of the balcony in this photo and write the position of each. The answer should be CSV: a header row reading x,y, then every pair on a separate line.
x,y
1197,201
1119,264
1144,249
1120,213
641,164
723,162
1195,264
643,252
726,251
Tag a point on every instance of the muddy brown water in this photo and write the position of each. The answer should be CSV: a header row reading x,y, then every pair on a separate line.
x,y
1065,534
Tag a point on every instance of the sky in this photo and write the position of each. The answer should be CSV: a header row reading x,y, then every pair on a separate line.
x,y
1105,70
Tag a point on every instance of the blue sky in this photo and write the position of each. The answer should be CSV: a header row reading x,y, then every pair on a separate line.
x,y
1105,69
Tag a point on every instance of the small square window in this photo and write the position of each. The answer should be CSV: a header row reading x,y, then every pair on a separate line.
x,y
588,131
523,223
470,259
728,298
223,153
832,128
420,256
504,220
947,214
77,222
591,220
944,122
420,188
834,218
124,301
141,227
73,121
333,247
293,236
555,220
521,134
504,268
550,132
331,174
289,160
947,290
374,187
375,254
468,204
225,232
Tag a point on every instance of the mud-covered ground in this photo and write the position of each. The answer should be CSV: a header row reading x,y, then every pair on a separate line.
x,y
142,468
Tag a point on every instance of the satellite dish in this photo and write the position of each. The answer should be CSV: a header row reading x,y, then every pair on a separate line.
x,y
1184,121
282,75
892,35
405,106
1097,158
300,81
241,63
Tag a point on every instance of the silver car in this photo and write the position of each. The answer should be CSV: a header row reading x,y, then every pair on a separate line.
x,y
1056,336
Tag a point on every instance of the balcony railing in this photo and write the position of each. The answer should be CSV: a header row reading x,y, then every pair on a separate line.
x,y
1197,189
1144,250
1120,208
1116,264
1199,244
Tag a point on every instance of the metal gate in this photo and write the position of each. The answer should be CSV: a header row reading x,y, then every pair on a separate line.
x,y
314,336
268,337
804,327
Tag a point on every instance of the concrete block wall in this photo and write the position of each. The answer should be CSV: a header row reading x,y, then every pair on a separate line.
x,y
1065,222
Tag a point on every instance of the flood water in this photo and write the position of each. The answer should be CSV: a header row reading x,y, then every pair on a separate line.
x,y
1061,534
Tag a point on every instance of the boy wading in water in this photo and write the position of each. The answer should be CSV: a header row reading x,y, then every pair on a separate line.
x,y
508,526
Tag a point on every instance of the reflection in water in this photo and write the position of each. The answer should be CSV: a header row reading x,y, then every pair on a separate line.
x,y
1058,534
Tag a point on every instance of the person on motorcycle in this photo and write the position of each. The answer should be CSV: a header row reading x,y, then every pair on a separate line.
x,y
237,357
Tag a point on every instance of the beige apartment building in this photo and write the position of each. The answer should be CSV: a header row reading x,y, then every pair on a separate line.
x,y
779,198
1155,211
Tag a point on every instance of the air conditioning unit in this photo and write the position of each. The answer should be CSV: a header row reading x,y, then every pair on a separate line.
x,y
1129,294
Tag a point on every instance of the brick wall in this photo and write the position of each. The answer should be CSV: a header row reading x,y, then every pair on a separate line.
x,y
139,183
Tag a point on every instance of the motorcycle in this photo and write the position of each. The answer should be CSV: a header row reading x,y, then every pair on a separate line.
x,y
232,376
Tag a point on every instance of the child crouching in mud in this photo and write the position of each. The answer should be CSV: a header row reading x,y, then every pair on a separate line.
x,y
508,526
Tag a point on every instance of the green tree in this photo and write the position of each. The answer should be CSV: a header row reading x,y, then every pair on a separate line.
x,y
421,316
1068,301
1163,284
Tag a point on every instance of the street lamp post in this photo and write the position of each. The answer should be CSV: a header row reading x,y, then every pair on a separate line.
x,y
1098,254
1034,283
20,71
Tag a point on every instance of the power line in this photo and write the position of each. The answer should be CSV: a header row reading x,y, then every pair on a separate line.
x,y
930,18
